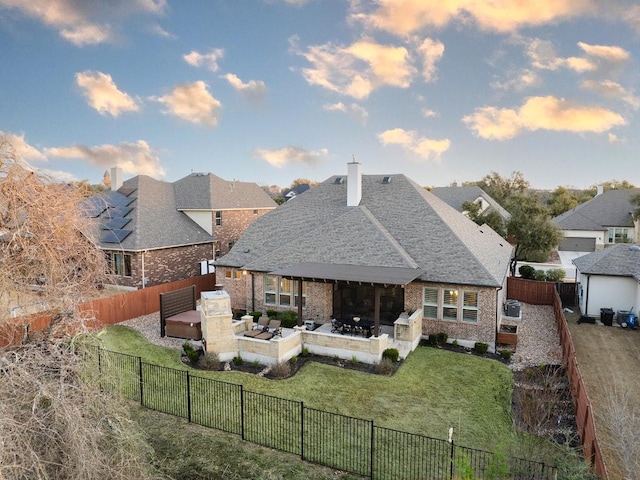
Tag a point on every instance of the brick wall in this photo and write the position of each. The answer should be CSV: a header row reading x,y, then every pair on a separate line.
x,y
234,223
482,331
165,265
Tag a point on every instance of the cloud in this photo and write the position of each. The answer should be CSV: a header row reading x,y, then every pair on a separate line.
x,y
431,51
21,148
611,89
518,80
161,32
611,54
356,111
208,60
357,69
613,138
134,158
543,57
254,90
103,94
428,113
84,23
290,155
410,141
403,17
541,113
193,103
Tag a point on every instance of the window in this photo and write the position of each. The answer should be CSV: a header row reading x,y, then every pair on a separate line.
x,y
118,264
430,303
280,291
450,305
255,212
618,235
453,302
231,244
470,306
228,273
237,274
218,217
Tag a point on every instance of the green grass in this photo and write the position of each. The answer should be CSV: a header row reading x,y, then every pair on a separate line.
x,y
432,391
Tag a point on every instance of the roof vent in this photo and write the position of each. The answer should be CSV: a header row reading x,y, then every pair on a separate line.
x,y
386,179
339,181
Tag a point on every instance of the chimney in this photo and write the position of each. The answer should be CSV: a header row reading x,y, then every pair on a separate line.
x,y
354,184
116,178
599,190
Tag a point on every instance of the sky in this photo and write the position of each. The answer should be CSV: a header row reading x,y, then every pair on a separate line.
x,y
269,91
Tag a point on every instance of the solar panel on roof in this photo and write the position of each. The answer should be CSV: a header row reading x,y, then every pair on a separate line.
x,y
113,236
115,223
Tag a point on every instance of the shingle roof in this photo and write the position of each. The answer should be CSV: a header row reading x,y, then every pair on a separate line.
x,y
200,191
456,196
397,224
154,221
622,259
609,209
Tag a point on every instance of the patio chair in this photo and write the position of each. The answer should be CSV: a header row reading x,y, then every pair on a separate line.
x,y
264,336
258,328
275,327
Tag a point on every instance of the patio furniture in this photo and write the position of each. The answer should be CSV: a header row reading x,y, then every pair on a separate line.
x,y
258,328
264,336
275,327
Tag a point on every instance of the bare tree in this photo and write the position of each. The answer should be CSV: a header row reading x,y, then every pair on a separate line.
x,y
54,424
619,419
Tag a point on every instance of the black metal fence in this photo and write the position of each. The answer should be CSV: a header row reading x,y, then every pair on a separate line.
x,y
354,445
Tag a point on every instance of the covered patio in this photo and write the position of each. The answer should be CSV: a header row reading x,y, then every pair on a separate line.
x,y
364,297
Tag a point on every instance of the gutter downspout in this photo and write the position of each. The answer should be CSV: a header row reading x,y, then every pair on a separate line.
x,y
498,313
144,283
586,298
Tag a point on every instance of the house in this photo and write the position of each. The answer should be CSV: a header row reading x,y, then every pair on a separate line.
x,y
609,278
457,196
373,247
604,220
155,232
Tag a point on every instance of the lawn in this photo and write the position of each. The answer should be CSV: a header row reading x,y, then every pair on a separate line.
x,y
432,391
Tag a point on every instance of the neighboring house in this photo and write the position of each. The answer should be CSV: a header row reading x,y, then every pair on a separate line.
x,y
456,196
604,220
297,190
609,278
371,246
155,232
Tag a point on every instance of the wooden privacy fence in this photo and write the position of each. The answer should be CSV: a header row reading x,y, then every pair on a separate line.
x,y
545,293
106,310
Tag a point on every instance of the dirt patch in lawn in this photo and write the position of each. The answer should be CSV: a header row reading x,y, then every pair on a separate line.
x,y
608,358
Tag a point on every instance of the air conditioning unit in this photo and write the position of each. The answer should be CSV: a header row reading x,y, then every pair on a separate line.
x,y
512,308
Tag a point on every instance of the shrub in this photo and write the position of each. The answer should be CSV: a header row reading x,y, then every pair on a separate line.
x,y
506,354
539,275
527,272
192,354
481,347
385,367
354,360
256,315
392,354
272,314
288,318
555,275
442,338
305,352
454,343
256,363
238,313
294,360
281,370
237,360
210,361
